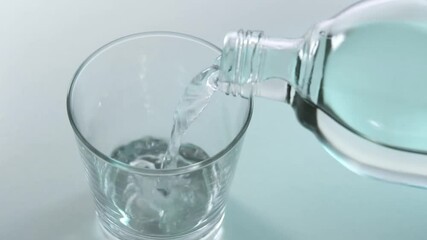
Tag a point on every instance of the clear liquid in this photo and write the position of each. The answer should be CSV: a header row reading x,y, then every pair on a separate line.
x,y
372,108
194,100
160,205
375,84
167,204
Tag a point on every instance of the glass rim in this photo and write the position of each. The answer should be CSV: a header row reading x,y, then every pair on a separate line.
x,y
144,171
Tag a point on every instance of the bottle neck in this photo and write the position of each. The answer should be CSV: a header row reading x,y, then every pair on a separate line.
x,y
254,65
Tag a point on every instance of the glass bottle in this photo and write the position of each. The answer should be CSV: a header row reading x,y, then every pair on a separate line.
x,y
358,81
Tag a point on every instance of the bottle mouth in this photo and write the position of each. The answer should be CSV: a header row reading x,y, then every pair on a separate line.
x,y
241,59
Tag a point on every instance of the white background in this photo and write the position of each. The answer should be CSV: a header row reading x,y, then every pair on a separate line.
x,y
286,187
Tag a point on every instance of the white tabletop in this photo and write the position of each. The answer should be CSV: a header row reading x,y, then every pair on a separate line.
x,y
286,186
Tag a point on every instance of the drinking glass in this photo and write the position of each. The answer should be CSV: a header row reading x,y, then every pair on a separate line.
x,y
121,104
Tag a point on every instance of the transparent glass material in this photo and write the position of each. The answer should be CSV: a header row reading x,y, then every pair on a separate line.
x,y
121,104
358,81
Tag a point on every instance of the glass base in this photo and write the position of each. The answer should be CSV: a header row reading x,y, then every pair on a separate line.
x,y
213,231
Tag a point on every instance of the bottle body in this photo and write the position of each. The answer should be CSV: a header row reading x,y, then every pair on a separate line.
x,y
358,82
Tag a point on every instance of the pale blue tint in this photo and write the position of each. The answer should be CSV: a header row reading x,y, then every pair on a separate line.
x,y
357,81
375,83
